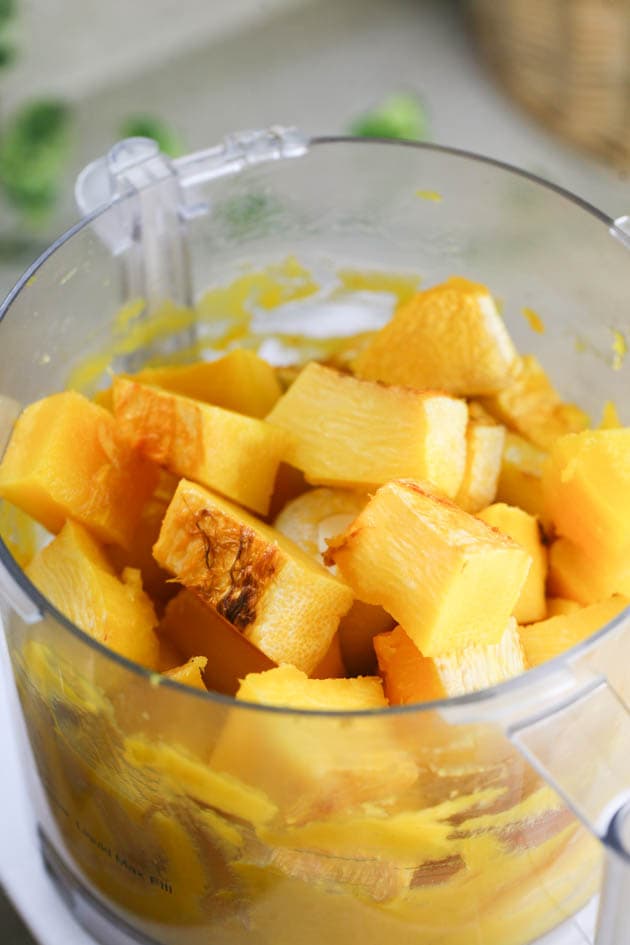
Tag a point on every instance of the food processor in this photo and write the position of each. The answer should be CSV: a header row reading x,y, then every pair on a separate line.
x,y
170,815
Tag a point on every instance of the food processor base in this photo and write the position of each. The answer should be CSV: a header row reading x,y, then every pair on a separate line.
x,y
97,919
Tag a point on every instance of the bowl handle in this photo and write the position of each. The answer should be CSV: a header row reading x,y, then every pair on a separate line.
x,y
581,748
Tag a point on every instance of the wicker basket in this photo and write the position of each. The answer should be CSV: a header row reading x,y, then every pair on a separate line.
x,y
568,62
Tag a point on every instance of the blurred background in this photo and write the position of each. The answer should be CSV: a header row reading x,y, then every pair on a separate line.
x,y
543,84
539,83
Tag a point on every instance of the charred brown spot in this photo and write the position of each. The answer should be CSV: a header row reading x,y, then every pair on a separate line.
x,y
238,564
434,872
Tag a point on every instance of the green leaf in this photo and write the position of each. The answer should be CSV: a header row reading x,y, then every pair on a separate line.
x,y
7,9
34,149
402,116
7,53
148,126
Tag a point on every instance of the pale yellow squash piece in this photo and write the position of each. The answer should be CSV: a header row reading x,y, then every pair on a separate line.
x,y
236,455
558,606
239,381
267,587
317,515
65,459
548,638
524,529
577,575
301,759
190,673
450,337
485,440
287,686
353,433
446,576
586,488
531,406
74,574
520,477
310,520
411,677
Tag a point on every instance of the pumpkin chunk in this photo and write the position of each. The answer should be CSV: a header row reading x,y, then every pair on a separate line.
x,y
275,595
287,686
66,460
236,455
524,529
520,477
239,381
310,520
319,514
485,439
74,574
530,405
411,677
354,433
447,577
139,554
577,575
586,488
190,673
195,628
449,337
304,763
548,638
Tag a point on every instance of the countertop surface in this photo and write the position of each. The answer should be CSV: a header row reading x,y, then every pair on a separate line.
x,y
316,65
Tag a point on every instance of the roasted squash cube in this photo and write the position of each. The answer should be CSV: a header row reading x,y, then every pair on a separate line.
x,y
557,606
287,686
485,439
524,529
301,758
139,554
354,433
239,381
447,577
263,584
310,520
577,575
548,638
195,628
74,574
189,673
520,477
317,515
449,337
66,460
531,406
411,677
236,455
586,488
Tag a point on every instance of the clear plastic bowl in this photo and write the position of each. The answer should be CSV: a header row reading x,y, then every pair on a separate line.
x,y
173,816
